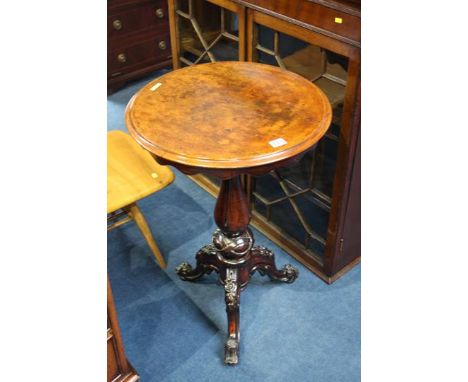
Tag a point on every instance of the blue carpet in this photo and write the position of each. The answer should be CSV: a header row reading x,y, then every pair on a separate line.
x,y
175,330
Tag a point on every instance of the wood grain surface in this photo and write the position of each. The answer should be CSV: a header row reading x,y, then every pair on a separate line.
x,y
228,115
132,173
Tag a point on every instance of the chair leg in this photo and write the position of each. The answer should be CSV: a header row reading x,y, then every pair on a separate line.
x,y
142,225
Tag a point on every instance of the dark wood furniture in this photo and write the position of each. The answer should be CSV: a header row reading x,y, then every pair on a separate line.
x,y
311,209
118,367
138,40
229,119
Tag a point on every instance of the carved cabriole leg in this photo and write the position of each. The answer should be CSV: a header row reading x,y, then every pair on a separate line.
x,y
207,261
232,298
233,241
263,261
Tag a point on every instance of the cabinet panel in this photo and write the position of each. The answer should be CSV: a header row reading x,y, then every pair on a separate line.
x,y
138,39
319,17
143,53
309,198
207,31
350,242
297,199
118,367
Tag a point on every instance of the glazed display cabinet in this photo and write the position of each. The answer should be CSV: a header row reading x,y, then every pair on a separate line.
x,y
312,208
207,31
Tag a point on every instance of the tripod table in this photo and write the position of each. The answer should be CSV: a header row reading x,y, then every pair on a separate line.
x,y
227,119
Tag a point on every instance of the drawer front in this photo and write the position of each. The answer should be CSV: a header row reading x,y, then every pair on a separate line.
x,y
337,22
138,55
127,21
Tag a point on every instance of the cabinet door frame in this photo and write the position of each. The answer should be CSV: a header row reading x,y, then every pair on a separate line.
x,y
126,371
240,10
350,125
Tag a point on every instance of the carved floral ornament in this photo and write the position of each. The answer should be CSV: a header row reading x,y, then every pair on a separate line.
x,y
230,287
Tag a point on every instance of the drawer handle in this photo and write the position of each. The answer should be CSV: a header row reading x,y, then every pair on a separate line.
x,y
160,13
162,45
117,24
338,20
122,58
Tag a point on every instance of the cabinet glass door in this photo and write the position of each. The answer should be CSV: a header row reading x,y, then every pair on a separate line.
x,y
207,32
296,200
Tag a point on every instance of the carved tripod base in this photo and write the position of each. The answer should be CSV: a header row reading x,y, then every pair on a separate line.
x,y
233,256
234,273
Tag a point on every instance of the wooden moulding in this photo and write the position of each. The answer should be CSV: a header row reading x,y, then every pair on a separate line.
x,y
242,130
313,16
118,367
175,35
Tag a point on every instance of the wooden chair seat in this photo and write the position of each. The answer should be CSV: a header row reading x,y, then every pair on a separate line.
x,y
132,174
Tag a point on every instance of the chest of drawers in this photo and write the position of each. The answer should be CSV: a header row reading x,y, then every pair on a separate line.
x,y
137,39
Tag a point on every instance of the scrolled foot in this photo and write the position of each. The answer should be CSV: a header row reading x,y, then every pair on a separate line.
x,y
261,251
290,273
183,270
187,273
264,263
207,262
231,350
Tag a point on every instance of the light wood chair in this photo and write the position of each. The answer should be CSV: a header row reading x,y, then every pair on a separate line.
x,y
132,174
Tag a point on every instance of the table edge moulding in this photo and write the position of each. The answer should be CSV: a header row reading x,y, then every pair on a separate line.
x,y
170,156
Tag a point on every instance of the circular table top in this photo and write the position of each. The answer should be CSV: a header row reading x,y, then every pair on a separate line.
x,y
228,115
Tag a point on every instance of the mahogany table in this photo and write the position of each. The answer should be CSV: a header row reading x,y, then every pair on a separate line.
x,y
227,119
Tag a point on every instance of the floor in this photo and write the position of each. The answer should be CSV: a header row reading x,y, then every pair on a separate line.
x,y
175,330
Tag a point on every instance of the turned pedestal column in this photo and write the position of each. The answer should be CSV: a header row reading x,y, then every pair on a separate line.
x,y
227,119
